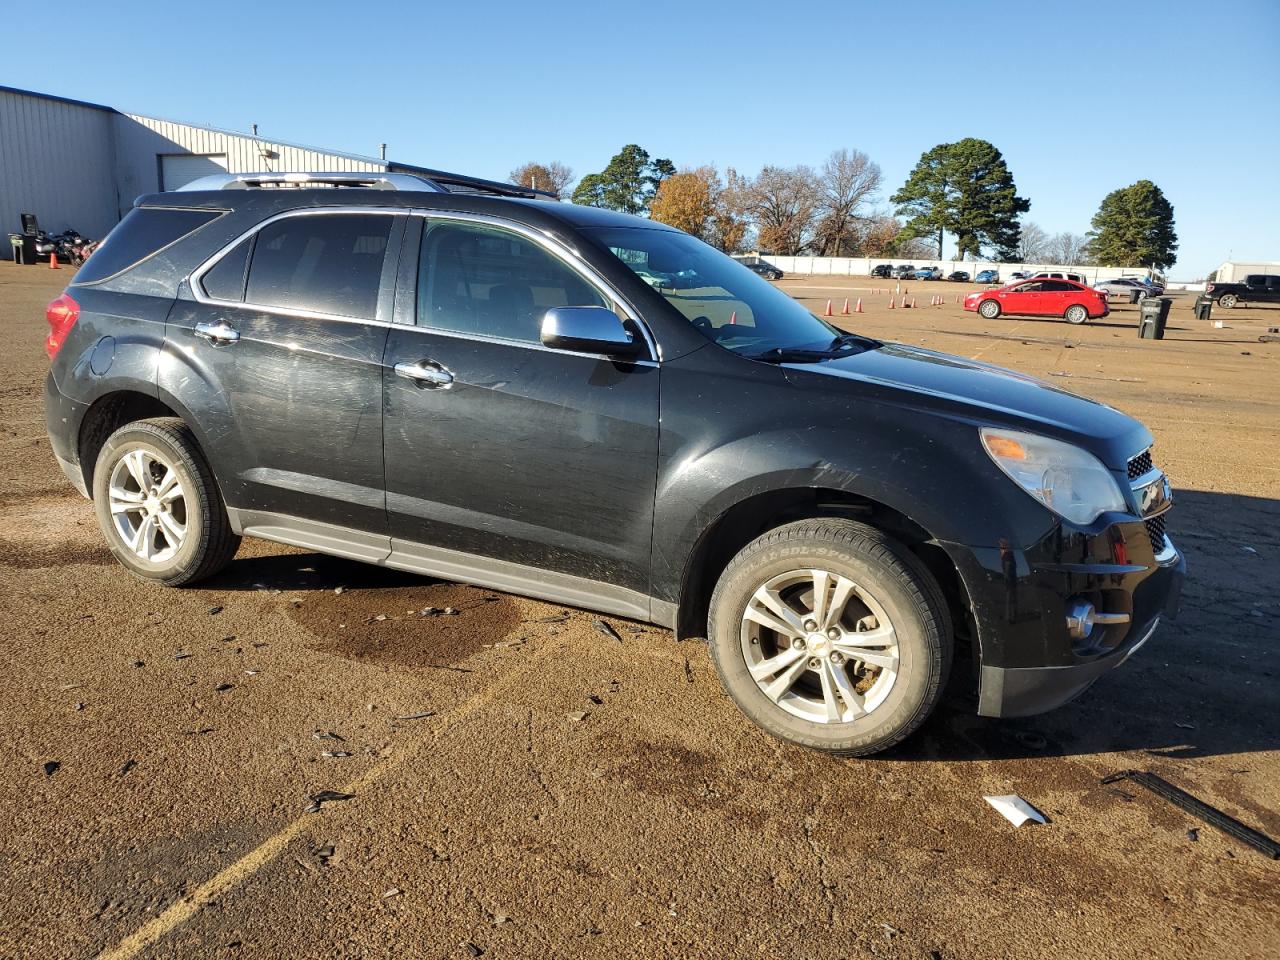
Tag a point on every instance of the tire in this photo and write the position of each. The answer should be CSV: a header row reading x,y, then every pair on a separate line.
x,y
989,309
1227,301
170,525
874,706
1076,314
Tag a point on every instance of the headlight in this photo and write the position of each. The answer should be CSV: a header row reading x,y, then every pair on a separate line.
x,y
1071,482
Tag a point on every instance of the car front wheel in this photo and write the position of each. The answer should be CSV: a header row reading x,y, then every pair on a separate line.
x,y
830,635
1077,314
159,506
989,309
1227,300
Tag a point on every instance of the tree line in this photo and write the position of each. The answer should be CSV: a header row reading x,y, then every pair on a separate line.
x,y
964,189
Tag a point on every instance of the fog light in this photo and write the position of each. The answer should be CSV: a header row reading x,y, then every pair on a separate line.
x,y
1081,617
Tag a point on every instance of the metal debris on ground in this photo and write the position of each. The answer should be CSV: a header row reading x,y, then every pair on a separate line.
x,y
416,716
1193,834
376,619
595,698
327,735
607,630
214,611
1198,808
182,655
229,638
1014,809
393,892
451,612
223,687
339,589
326,796
335,754
551,618
577,715
51,767
128,765
890,931
472,949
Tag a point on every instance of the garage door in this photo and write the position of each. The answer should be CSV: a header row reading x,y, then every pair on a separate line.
x,y
179,169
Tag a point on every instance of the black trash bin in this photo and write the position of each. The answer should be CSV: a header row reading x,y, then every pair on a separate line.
x,y
1204,307
1135,295
1155,313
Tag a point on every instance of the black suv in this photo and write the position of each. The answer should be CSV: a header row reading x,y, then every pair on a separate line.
x,y
465,380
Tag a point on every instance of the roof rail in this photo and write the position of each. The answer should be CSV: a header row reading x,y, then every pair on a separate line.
x,y
435,181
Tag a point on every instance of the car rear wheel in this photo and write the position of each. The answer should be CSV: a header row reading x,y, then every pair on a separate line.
x,y
989,309
830,635
1076,313
1227,300
159,506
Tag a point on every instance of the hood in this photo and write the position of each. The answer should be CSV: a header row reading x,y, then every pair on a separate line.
x,y
991,395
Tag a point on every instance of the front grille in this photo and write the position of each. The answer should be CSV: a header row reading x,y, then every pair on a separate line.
x,y
1155,530
1140,464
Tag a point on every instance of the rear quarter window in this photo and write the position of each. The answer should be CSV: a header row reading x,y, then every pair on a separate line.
x,y
144,232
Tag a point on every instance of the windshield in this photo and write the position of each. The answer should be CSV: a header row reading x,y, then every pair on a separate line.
x,y
723,300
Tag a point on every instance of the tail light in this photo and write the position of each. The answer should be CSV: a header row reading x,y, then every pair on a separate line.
x,y
61,314
1209,288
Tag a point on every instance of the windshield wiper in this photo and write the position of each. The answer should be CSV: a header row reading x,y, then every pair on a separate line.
x,y
845,342
844,345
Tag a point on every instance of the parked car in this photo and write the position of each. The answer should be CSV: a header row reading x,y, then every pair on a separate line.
x,y
959,276
1257,288
766,270
1060,275
987,276
904,271
1124,287
928,273
488,389
1017,275
882,270
1074,302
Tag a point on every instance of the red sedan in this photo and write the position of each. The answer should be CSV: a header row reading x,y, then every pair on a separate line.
x,y
1072,301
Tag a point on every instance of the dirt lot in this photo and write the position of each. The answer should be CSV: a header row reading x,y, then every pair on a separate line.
x,y
190,728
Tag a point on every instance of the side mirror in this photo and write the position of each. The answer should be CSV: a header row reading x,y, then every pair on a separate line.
x,y
588,330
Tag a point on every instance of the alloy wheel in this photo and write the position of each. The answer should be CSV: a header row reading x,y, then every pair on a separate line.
x,y
819,646
148,505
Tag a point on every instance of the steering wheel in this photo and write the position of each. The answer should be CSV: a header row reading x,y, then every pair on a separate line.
x,y
704,326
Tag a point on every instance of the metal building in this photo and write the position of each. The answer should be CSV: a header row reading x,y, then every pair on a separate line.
x,y
1234,271
81,165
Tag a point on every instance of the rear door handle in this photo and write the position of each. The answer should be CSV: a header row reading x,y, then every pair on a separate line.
x,y
426,373
219,333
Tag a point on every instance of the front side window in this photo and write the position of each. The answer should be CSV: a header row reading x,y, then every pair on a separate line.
x,y
483,280
328,263
729,304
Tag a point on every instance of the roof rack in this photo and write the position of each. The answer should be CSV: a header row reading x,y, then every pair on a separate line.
x,y
435,181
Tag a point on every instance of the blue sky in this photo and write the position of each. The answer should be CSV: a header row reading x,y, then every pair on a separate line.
x,y
1081,97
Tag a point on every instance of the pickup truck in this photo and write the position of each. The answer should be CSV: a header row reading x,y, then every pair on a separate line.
x,y
1257,288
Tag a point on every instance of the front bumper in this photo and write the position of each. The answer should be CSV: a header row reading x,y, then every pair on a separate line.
x,y
1028,661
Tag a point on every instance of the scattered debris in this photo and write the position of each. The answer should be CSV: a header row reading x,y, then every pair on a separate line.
x,y
577,716
500,918
1014,809
1185,726
890,931
595,698
70,686
128,765
471,948
335,754
339,589
607,630
197,733
378,619
1193,834
416,716
327,735
431,611
326,796
79,705
223,687
327,854
139,663
393,892
252,673
51,767
552,618
688,671
451,612
229,638
182,655
1198,808
1248,549
214,611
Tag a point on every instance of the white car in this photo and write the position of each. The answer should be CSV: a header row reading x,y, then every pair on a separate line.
x,y
1060,275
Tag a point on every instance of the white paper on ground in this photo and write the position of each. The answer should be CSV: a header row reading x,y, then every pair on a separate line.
x,y
1014,809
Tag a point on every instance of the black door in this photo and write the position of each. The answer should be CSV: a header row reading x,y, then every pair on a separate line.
x,y
284,358
503,449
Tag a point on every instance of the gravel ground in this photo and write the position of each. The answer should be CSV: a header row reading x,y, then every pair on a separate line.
x,y
523,785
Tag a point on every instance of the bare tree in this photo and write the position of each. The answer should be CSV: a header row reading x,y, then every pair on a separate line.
x,y
553,176
1033,244
848,180
1068,249
732,217
784,204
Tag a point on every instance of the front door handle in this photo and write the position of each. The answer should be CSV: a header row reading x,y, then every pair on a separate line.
x,y
426,373
219,333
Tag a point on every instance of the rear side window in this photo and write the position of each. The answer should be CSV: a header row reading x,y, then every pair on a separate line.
x,y
143,232
328,263
225,279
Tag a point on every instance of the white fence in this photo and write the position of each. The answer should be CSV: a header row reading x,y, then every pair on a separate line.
x,y
862,266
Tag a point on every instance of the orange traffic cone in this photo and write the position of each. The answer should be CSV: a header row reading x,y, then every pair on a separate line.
x,y
891,303
845,311
913,303
828,312
858,307
733,317
53,262
904,303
